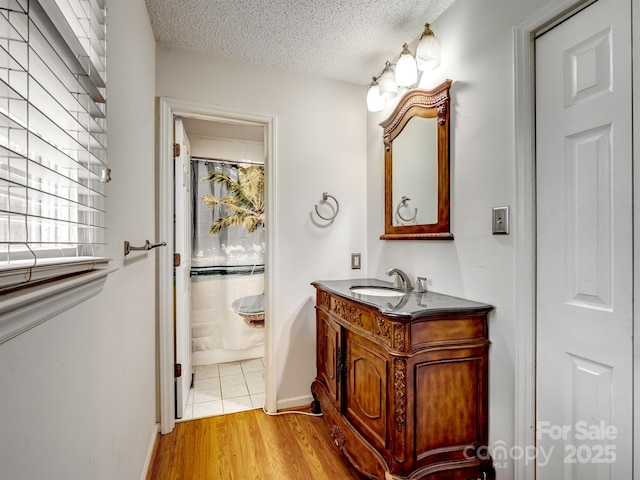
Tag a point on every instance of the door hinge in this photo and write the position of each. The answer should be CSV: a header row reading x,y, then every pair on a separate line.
x,y
176,150
177,370
177,261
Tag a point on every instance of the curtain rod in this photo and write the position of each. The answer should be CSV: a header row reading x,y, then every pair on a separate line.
x,y
221,160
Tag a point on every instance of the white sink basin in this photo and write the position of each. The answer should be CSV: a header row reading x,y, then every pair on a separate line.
x,y
378,291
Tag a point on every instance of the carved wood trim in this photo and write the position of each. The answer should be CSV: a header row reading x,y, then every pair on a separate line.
x,y
349,313
338,437
437,99
400,391
324,299
400,337
382,328
442,113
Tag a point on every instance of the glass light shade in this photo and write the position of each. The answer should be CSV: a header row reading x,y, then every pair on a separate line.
x,y
387,82
428,51
375,103
406,69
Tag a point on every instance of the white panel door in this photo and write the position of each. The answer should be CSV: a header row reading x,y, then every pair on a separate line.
x,y
182,230
584,401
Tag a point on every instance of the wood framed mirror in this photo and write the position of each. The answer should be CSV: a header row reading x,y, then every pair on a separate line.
x,y
416,167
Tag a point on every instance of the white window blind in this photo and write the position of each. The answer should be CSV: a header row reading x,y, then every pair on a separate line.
x,y
52,138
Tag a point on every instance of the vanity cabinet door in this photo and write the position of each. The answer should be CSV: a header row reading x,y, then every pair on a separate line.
x,y
366,388
328,355
450,388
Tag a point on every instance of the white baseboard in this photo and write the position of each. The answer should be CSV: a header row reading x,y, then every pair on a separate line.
x,y
152,445
303,401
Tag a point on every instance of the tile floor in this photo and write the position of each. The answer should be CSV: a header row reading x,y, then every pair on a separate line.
x,y
226,388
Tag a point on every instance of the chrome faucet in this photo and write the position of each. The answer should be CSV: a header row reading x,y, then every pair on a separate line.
x,y
401,279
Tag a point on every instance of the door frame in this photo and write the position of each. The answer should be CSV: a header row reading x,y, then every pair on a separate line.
x,y
168,108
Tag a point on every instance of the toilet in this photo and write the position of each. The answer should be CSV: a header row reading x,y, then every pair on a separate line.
x,y
251,308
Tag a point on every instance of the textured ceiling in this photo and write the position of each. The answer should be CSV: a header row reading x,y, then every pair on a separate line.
x,y
341,39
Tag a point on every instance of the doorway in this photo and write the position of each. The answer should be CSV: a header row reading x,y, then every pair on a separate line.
x,y
584,230
219,233
169,111
585,161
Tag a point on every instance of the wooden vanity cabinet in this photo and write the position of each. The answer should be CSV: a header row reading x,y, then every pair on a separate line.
x,y
404,398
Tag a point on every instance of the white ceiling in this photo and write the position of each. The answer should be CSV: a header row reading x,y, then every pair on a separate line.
x,y
341,39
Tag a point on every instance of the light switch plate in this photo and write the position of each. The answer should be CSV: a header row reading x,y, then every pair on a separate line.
x,y
500,224
355,261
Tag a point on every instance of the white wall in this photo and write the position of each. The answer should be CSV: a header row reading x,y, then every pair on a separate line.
x,y
477,56
226,148
321,131
78,393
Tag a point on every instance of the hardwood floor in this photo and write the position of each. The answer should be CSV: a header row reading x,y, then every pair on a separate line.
x,y
250,445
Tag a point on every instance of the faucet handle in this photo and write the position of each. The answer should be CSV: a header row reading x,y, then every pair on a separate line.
x,y
421,285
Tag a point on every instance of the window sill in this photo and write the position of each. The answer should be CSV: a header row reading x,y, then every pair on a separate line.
x,y
25,309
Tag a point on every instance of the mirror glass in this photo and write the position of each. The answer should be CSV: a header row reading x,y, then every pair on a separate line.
x,y
416,172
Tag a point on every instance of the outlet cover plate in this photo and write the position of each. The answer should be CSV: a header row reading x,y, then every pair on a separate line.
x,y
355,261
500,224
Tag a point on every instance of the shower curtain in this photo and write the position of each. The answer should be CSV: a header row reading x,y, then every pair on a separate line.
x,y
233,247
225,267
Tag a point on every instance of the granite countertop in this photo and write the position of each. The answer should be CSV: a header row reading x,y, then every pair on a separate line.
x,y
409,304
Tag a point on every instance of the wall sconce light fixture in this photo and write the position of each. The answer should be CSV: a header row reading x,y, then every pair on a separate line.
x,y
387,81
406,68
428,51
375,102
385,86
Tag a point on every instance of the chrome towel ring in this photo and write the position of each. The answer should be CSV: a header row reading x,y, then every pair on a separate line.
x,y
403,202
325,197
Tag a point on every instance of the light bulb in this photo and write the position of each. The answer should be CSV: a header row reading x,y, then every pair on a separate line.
x,y
428,51
387,82
406,69
375,103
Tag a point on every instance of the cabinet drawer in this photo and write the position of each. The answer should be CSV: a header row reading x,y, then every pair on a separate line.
x,y
436,331
353,314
